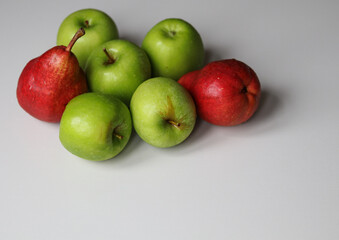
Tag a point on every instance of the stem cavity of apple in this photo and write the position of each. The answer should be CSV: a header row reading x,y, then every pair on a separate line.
x,y
77,35
172,33
110,60
174,124
118,136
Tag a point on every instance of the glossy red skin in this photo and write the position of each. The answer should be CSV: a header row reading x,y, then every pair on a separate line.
x,y
188,80
226,92
49,82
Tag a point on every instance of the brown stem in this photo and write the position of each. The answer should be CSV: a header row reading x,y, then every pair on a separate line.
x,y
110,58
174,124
86,23
118,136
77,35
172,33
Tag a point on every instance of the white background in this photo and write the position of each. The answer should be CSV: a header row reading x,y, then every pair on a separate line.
x,y
274,177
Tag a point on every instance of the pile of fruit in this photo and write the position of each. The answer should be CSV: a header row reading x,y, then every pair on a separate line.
x,y
99,87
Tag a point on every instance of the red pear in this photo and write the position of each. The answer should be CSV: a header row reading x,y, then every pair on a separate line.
x,y
226,92
188,79
50,81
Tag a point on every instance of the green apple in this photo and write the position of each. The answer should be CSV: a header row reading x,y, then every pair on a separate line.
x,y
95,126
99,28
163,112
117,67
174,47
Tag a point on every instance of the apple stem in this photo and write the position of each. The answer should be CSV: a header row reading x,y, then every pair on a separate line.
x,y
174,124
118,136
111,60
172,33
87,23
77,35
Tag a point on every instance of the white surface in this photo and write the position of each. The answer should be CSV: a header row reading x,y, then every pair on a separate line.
x,y
275,177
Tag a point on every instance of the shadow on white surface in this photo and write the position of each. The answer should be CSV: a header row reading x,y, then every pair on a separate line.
x,y
268,117
213,55
270,104
204,136
128,156
264,121
134,38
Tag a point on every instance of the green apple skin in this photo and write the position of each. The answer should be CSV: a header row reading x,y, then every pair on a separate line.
x,y
120,72
99,28
174,47
163,112
95,126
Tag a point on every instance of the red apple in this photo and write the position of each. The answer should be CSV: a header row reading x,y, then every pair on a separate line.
x,y
226,92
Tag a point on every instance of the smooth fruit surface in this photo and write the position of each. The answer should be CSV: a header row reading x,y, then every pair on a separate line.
x,y
95,126
226,92
163,112
117,67
174,47
99,28
50,81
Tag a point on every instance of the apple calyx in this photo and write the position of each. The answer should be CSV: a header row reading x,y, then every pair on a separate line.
x,y
76,36
110,60
86,23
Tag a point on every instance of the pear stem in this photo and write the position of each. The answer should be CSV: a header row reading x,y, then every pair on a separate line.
x,y
77,35
111,60
174,124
